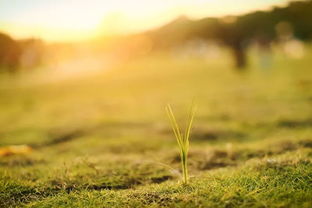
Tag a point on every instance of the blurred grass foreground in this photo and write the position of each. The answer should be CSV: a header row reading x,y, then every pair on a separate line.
x,y
83,124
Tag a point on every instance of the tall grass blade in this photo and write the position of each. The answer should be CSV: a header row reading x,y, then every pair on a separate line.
x,y
182,139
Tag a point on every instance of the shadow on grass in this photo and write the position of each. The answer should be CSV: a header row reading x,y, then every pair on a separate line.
x,y
295,123
215,158
212,135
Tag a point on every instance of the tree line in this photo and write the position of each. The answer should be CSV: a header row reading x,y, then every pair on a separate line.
x,y
238,32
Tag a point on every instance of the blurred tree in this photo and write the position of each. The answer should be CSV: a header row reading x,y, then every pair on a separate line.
x,y
10,53
237,32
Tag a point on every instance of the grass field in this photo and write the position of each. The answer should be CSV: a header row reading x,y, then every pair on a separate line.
x,y
104,140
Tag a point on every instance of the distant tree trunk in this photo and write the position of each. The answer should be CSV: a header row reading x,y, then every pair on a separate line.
x,y
239,52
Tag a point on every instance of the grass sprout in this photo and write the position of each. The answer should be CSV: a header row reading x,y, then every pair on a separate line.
x,y
182,138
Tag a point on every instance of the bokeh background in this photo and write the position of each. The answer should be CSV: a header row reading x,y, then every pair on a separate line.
x,y
83,90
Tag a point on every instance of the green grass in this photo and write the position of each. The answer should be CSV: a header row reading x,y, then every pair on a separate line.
x,y
183,140
104,140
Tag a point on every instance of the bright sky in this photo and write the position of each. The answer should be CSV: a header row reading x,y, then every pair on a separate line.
x,y
74,20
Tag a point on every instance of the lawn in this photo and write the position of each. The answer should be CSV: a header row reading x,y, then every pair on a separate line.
x,y
104,139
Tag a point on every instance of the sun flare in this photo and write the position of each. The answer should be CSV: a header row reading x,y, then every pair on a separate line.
x,y
79,20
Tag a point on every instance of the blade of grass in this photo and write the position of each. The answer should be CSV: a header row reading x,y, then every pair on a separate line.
x,y
189,126
182,139
174,125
